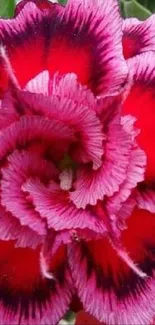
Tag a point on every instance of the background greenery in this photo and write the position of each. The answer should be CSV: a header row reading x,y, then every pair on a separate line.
x,y
130,8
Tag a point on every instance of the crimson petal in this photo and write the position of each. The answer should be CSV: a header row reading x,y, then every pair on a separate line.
x,y
26,296
83,317
87,33
107,287
140,101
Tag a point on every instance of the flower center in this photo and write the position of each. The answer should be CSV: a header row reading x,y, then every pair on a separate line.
x,y
67,167
67,162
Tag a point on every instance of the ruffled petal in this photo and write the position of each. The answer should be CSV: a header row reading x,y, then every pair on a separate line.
x,y
134,175
69,87
39,84
12,229
26,295
66,86
145,196
41,4
140,101
108,288
75,114
30,129
90,185
8,111
54,205
12,32
138,36
88,34
22,165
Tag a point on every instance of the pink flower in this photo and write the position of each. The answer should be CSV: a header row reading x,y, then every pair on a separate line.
x,y
138,36
71,170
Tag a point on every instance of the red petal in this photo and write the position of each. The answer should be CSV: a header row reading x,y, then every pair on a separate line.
x,y
76,305
107,287
140,102
87,34
26,296
138,36
83,318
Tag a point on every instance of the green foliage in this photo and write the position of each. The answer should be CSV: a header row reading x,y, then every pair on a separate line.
x,y
7,8
134,8
150,4
62,1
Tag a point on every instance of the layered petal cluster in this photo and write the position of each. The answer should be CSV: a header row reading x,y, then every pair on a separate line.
x,y
76,190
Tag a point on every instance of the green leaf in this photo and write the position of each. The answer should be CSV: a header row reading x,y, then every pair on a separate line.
x,y
151,5
7,8
143,3
122,8
62,1
134,9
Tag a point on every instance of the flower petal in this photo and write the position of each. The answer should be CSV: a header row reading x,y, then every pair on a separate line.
x,y
22,165
145,196
76,305
54,205
96,32
138,36
39,84
66,86
107,287
33,128
135,172
140,101
69,87
88,34
91,185
12,32
83,317
11,229
74,113
26,296
41,4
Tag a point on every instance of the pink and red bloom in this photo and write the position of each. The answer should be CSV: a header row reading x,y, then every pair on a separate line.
x,y
77,169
